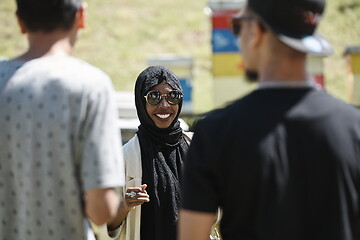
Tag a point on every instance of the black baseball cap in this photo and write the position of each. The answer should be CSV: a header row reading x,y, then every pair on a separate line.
x,y
294,22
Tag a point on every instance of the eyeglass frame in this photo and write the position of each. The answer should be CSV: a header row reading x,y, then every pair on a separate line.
x,y
236,22
162,97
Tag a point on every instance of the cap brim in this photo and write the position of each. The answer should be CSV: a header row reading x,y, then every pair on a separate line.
x,y
315,44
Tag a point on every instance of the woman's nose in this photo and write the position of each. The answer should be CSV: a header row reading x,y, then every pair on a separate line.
x,y
164,102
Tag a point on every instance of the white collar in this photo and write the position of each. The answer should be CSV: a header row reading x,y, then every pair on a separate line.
x,y
287,84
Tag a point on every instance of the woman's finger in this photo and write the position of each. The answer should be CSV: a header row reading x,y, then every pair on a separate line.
x,y
131,194
135,194
135,189
135,203
138,198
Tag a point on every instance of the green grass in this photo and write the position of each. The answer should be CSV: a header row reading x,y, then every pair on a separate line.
x,y
341,27
122,35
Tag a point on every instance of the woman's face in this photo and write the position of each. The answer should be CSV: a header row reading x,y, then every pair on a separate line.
x,y
164,113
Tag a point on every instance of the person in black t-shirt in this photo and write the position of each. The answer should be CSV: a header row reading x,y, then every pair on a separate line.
x,y
283,162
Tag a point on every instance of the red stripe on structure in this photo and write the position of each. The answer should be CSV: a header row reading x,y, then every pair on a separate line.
x,y
222,19
319,80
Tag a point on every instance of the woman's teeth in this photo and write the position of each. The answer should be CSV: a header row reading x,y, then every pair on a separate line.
x,y
163,116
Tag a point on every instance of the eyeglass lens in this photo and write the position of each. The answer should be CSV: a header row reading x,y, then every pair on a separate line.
x,y
172,97
236,26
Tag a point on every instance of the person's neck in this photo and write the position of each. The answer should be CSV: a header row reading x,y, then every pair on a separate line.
x,y
284,70
47,44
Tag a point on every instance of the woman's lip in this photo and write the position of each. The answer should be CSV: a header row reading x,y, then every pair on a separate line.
x,y
163,116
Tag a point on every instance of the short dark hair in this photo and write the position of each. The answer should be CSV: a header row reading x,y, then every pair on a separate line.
x,y
48,15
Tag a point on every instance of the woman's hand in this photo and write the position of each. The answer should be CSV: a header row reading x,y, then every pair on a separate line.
x,y
136,196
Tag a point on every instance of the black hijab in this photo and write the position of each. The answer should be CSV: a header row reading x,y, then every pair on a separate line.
x,y
162,154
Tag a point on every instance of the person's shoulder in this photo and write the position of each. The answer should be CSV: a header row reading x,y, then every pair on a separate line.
x,y
80,67
323,106
132,157
64,66
231,112
214,122
132,145
337,103
71,72
347,109
188,136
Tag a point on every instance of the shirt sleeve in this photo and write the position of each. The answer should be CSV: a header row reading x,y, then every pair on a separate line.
x,y
101,160
201,180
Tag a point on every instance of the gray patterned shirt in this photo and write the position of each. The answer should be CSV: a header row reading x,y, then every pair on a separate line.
x,y
58,138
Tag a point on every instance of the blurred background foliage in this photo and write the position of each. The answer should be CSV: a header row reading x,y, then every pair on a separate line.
x,y
121,36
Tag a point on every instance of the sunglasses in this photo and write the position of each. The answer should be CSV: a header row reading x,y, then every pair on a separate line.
x,y
236,23
172,97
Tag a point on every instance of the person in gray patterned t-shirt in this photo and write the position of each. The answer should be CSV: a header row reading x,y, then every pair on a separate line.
x,y
60,147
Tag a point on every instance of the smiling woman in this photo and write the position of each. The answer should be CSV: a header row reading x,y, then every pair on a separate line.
x,y
154,160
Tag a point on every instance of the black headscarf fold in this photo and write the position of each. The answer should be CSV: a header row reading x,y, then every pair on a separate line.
x,y
162,155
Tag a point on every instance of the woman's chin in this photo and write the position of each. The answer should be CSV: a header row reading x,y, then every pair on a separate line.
x,y
162,125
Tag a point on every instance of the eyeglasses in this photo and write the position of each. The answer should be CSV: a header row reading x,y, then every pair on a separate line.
x,y
155,97
237,21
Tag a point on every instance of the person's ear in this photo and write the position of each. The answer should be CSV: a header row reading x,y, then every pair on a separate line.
x,y
257,32
21,23
81,16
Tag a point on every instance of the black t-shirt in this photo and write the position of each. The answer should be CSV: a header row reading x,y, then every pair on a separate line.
x,y
283,164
